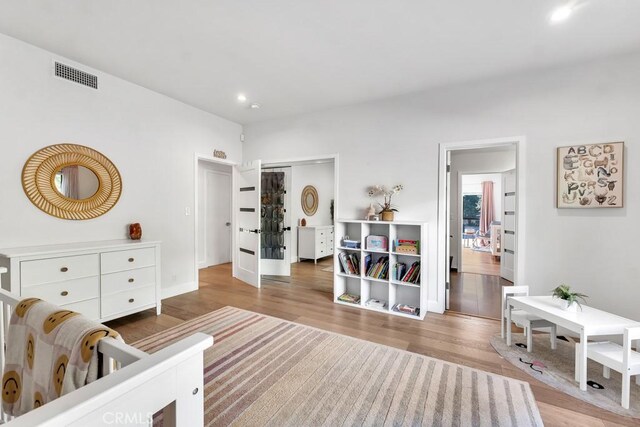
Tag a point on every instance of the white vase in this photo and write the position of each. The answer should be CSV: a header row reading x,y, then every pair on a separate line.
x,y
564,304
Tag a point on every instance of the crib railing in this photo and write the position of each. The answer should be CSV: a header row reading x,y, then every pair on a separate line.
x,y
141,384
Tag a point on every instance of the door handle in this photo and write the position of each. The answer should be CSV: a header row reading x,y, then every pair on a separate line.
x,y
246,230
286,229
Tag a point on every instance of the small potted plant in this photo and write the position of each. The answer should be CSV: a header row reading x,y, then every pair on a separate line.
x,y
387,212
568,300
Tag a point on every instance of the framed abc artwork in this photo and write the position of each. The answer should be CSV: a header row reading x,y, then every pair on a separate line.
x,y
590,176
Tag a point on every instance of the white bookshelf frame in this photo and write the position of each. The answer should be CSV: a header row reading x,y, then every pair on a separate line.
x,y
392,291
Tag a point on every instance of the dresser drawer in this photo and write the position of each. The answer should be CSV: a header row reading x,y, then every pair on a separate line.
x,y
61,269
125,280
89,308
127,300
67,292
111,262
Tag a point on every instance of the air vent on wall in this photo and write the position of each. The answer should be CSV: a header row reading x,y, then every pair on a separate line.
x,y
75,75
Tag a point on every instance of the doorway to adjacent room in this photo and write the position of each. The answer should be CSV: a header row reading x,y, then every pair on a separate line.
x,y
282,226
481,227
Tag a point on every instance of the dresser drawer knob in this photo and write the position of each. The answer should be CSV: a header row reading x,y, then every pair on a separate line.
x,y
131,259
131,280
64,269
64,293
131,300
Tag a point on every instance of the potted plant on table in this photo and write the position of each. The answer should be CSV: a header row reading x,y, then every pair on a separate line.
x,y
569,300
387,212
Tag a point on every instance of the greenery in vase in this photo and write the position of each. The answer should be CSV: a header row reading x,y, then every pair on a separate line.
x,y
564,292
381,190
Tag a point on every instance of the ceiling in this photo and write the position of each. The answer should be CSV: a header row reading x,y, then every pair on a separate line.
x,y
294,56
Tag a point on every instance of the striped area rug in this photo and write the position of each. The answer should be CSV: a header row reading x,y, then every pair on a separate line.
x,y
263,370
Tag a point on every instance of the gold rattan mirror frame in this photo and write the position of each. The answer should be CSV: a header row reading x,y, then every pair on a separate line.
x,y
309,207
38,176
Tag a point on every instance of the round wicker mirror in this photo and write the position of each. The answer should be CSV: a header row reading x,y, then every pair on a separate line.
x,y
309,200
71,181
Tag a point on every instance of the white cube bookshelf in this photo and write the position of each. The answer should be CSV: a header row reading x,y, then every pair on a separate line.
x,y
389,290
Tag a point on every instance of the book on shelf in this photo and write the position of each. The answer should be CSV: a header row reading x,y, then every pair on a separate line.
x,y
398,270
350,298
355,261
413,274
380,269
407,309
376,303
367,262
350,263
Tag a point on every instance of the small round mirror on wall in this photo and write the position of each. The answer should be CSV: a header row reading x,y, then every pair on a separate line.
x,y
76,182
309,200
71,181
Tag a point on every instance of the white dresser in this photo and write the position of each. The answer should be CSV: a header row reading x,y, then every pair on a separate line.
x,y
102,280
315,242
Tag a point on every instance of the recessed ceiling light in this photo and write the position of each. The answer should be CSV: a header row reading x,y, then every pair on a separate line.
x,y
561,13
255,106
242,97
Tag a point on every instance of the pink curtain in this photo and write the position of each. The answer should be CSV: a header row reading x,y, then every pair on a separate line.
x,y
487,209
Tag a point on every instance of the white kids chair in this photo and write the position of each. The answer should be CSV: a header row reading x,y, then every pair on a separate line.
x,y
523,319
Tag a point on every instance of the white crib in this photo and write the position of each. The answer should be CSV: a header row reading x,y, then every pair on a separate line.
x,y
170,380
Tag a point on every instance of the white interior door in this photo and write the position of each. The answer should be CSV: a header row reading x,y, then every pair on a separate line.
x,y
275,247
509,226
217,218
246,266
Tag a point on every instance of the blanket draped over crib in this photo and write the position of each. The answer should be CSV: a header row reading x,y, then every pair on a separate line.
x,y
50,352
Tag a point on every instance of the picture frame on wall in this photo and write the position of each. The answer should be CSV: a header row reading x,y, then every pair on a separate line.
x,y
590,176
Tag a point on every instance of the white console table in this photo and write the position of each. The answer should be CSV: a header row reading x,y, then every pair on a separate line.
x,y
102,280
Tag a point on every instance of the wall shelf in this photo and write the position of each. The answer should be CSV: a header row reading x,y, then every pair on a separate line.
x,y
389,290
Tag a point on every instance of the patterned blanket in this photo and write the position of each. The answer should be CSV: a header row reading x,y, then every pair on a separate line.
x,y
50,352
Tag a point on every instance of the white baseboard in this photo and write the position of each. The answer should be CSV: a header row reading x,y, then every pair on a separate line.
x,y
179,289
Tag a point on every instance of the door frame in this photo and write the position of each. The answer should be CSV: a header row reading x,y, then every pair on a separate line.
x,y
294,161
209,159
270,163
206,212
444,215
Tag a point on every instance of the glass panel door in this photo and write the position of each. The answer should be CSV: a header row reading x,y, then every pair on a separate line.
x,y
276,230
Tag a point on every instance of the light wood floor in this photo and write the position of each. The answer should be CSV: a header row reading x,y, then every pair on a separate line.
x,y
479,262
308,300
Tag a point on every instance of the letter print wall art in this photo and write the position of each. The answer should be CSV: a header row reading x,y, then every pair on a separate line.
x,y
590,176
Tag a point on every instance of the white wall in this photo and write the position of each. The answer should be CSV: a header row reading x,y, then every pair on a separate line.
x,y
150,138
466,161
396,140
321,176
